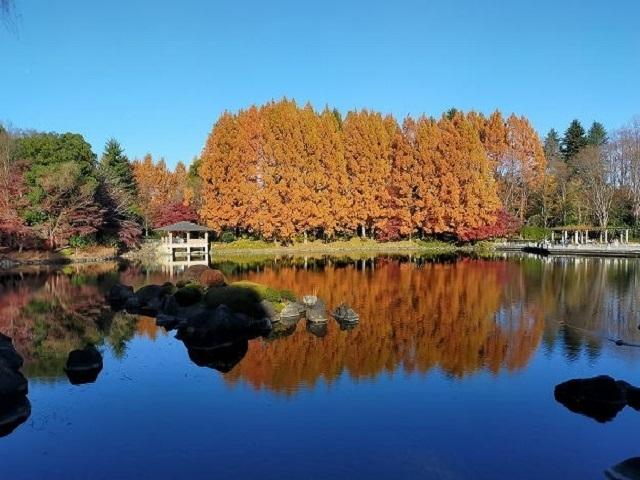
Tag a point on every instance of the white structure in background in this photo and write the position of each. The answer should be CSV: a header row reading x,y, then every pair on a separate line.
x,y
184,240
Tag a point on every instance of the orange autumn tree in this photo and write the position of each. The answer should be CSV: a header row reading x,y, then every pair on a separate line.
x,y
158,187
368,151
285,172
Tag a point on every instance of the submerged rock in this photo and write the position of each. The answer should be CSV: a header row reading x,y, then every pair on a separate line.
x,y
83,366
600,398
627,470
13,385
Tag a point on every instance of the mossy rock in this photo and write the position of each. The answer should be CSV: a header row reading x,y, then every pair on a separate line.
x,y
272,295
238,298
187,296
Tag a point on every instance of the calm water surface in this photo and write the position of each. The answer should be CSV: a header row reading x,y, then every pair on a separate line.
x,y
449,375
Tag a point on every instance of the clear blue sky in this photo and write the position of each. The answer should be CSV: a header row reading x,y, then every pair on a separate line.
x,y
156,74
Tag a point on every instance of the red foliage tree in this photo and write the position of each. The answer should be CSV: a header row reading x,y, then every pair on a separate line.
x,y
174,212
504,225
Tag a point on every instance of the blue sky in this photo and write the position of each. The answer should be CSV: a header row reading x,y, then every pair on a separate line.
x,y
156,74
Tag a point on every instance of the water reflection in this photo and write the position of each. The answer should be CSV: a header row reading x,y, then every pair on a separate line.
x,y
460,316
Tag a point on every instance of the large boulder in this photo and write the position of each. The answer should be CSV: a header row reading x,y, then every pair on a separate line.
x,y
149,300
600,398
192,274
187,296
8,355
83,366
13,385
118,295
203,325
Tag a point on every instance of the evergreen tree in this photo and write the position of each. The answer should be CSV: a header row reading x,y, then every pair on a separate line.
x,y
114,164
552,145
597,135
574,140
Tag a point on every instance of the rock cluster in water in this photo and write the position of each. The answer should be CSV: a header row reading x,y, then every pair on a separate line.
x,y
14,404
600,398
215,319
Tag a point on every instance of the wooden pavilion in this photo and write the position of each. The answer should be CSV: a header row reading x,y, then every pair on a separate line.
x,y
184,239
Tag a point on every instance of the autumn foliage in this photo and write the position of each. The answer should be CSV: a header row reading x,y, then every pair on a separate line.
x,y
281,171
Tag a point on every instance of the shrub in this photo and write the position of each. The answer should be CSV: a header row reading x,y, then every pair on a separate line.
x,y
227,237
535,234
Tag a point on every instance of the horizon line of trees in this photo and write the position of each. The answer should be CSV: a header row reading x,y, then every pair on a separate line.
x,y
286,172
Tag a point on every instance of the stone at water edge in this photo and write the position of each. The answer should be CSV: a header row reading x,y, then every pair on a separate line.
x,y
317,313
292,311
600,398
119,294
13,385
8,354
83,366
212,278
187,296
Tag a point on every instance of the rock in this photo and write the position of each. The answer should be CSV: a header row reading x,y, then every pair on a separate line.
x,y
212,278
292,311
8,355
193,272
317,313
118,295
269,310
83,366
345,314
600,398
132,305
13,414
203,325
169,322
149,300
627,470
187,296
13,385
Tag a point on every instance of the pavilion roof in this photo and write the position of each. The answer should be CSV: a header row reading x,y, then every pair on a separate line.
x,y
183,227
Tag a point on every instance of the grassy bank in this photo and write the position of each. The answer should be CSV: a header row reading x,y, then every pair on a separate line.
x,y
244,246
64,256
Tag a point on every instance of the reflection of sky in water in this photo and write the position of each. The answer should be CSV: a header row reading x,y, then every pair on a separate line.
x,y
424,405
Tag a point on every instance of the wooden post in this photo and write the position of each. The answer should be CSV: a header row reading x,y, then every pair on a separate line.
x,y
206,243
606,236
575,237
626,235
553,237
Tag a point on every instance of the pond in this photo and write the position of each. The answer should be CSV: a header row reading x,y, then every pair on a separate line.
x,y
450,374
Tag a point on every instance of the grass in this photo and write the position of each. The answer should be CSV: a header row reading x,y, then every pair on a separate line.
x,y
244,297
353,244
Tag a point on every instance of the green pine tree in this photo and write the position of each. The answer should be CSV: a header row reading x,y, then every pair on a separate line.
x,y
574,140
552,145
115,164
597,135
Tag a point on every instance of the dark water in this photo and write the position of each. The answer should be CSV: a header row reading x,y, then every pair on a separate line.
x,y
449,375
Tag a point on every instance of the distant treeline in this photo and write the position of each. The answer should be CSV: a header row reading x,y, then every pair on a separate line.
x,y
285,172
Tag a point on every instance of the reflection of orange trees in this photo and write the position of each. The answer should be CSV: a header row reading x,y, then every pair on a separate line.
x,y
452,316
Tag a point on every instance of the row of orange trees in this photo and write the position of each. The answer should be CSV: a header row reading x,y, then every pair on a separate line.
x,y
281,171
